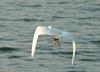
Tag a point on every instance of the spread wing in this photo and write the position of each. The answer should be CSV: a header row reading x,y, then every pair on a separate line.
x,y
74,50
69,36
40,30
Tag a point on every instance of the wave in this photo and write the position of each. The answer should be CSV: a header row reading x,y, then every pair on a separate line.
x,y
80,52
14,56
8,49
81,18
57,53
62,2
96,42
21,19
93,59
76,71
31,5
59,17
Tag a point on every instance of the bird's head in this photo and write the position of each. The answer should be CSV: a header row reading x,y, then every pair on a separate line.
x,y
49,27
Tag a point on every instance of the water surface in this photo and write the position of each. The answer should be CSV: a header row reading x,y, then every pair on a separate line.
x,y
18,20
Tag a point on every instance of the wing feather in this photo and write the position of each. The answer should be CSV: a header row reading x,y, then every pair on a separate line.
x,y
35,37
74,50
40,30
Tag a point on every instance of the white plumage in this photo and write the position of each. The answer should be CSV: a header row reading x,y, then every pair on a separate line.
x,y
43,30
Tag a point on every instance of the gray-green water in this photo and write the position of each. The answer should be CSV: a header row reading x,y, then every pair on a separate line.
x,y
18,19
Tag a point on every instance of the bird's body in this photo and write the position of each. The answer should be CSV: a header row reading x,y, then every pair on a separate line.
x,y
56,34
56,41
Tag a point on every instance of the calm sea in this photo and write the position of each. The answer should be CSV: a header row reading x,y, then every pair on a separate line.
x,y
18,20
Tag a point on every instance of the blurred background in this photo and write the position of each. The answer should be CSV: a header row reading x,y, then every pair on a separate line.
x,y
18,20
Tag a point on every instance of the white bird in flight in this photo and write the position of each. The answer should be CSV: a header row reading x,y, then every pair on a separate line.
x,y
56,34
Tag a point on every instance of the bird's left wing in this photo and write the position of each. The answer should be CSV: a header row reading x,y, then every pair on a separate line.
x,y
74,51
70,37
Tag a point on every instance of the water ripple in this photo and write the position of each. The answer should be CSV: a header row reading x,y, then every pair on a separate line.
x,y
57,53
58,17
7,39
21,19
14,56
63,2
81,18
76,71
31,5
90,59
8,49
95,42
80,52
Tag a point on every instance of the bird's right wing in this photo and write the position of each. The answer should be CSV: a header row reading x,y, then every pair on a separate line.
x,y
35,37
40,30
